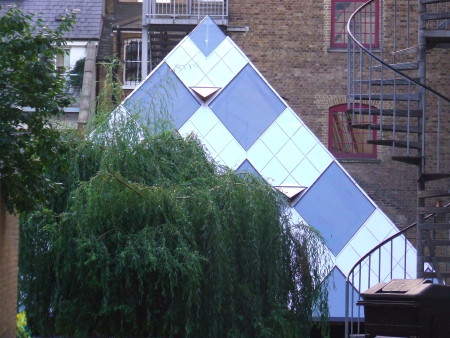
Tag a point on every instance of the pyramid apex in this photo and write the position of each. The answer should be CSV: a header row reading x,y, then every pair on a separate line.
x,y
207,35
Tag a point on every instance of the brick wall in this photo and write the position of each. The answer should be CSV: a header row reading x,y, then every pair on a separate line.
x,y
289,41
9,243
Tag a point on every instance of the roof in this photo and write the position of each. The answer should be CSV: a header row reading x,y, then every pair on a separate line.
x,y
89,17
217,93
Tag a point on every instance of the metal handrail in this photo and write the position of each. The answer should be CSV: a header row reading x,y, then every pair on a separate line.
x,y
367,255
350,33
353,45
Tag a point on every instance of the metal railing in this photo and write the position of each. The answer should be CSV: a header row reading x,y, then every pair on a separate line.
x,y
186,11
402,261
411,117
434,16
406,108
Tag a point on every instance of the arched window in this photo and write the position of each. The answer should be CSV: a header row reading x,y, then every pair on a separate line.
x,y
367,26
347,142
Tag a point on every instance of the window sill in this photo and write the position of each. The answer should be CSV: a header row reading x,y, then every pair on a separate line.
x,y
127,87
359,160
344,50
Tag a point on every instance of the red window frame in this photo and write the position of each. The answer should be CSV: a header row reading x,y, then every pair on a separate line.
x,y
339,24
352,143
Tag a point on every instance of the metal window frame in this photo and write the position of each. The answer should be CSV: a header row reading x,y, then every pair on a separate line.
x,y
343,44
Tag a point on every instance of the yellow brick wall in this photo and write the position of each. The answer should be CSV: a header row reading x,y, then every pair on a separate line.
x,y
9,249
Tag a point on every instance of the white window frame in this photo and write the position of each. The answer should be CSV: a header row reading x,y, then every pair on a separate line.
x,y
127,83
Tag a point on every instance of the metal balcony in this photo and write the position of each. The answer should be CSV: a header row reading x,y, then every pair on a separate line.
x,y
184,12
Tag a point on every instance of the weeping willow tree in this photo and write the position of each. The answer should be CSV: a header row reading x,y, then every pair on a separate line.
x,y
149,237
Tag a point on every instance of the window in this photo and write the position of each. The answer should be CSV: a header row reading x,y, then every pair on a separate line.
x,y
346,142
132,62
366,25
63,61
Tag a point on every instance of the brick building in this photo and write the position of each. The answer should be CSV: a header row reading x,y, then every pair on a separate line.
x,y
9,256
301,49
293,45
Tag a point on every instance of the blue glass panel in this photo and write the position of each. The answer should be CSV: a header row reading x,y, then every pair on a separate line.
x,y
247,106
335,207
163,97
336,296
247,167
207,36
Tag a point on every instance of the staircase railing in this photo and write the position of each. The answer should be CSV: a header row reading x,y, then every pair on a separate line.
x,y
402,258
401,104
186,11
406,113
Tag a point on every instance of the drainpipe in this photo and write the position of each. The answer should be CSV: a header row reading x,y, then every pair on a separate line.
x,y
144,53
88,86
116,68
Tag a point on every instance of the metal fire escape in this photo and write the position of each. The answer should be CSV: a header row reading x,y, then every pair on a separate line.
x,y
409,115
166,22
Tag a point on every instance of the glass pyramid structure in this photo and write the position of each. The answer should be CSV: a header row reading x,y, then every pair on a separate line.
x,y
207,86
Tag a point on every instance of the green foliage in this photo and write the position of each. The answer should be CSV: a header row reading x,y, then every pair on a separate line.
x,y
76,74
22,330
28,79
150,238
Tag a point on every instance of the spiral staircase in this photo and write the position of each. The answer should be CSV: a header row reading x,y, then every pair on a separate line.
x,y
410,116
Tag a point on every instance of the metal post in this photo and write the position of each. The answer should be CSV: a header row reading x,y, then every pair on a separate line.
x,y
88,87
421,167
144,53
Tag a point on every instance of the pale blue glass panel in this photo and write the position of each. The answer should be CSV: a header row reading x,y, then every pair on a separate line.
x,y
164,98
247,106
336,296
247,168
335,206
207,36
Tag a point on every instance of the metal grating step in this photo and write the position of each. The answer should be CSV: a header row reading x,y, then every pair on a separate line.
x,y
388,97
427,2
400,66
389,112
440,259
426,177
432,210
416,160
435,16
436,33
387,82
410,50
435,226
397,144
387,127
436,242
432,193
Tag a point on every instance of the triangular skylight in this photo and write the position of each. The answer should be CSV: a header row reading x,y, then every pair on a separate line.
x,y
204,93
207,86
291,192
